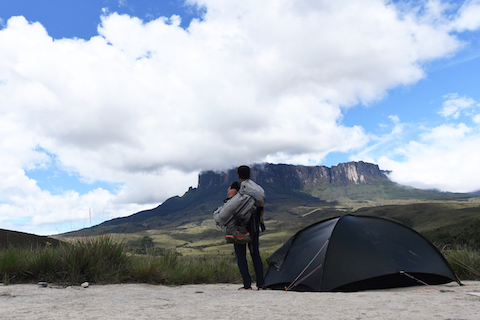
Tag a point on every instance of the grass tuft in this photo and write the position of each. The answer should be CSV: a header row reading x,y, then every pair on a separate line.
x,y
102,260
465,263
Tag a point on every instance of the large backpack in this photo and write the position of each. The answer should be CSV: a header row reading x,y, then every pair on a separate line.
x,y
240,208
250,188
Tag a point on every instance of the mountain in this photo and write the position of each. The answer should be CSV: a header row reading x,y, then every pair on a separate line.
x,y
296,196
300,177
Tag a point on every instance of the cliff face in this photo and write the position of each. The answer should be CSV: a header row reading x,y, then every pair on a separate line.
x,y
286,203
300,177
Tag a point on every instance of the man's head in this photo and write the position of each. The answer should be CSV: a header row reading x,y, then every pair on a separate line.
x,y
243,172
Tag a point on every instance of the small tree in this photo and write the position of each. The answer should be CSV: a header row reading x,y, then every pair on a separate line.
x,y
140,246
146,242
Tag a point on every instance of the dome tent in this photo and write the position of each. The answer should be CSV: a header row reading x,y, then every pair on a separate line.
x,y
352,253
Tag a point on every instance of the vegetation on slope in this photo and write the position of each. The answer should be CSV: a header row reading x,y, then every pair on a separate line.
x,y
102,260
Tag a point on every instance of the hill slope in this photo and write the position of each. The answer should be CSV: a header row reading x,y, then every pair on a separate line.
x,y
17,239
296,197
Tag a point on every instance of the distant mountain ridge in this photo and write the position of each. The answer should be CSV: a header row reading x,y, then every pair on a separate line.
x,y
292,191
300,177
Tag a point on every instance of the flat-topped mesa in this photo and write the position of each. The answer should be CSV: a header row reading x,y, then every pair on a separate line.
x,y
300,177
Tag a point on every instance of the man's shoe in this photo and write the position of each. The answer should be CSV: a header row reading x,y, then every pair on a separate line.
x,y
242,237
230,238
235,236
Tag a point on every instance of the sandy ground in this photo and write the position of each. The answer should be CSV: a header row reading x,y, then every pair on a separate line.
x,y
224,301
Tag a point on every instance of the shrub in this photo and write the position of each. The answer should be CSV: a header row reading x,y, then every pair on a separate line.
x,y
13,265
465,263
140,246
97,260
44,264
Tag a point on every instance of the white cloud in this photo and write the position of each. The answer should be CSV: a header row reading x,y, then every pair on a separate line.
x,y
467,16
454,105
476,119
443,157
445,165
150,104
446,132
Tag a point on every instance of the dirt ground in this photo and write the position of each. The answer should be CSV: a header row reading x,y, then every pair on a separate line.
x,y
224,301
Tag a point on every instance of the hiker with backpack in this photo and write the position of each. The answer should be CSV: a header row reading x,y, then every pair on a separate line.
x,y
241,218
247,186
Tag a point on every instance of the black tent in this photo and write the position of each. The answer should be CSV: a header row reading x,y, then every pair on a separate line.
x,y
352,253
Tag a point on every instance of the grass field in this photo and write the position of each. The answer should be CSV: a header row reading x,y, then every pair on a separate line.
x,y
196,252
103,260
444,222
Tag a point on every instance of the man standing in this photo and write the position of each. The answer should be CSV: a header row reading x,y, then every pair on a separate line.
x,y
253,226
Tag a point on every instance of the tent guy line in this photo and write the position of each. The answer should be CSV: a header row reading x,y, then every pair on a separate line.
x,y
294,282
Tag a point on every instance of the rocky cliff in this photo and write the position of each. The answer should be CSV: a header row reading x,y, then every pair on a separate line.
x,y
300,177
296,196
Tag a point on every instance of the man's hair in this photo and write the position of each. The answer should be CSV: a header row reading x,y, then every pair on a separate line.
x,y
243,172
235,185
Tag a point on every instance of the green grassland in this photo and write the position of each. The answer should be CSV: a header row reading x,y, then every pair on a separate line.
x,y
444,222
196,252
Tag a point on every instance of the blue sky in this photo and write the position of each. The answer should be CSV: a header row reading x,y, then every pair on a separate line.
x,y
110,107
80,19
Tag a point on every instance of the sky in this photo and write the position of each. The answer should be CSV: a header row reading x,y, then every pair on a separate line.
x,y
110,107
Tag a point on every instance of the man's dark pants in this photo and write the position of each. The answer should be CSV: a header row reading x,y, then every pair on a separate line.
x,y
241,252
